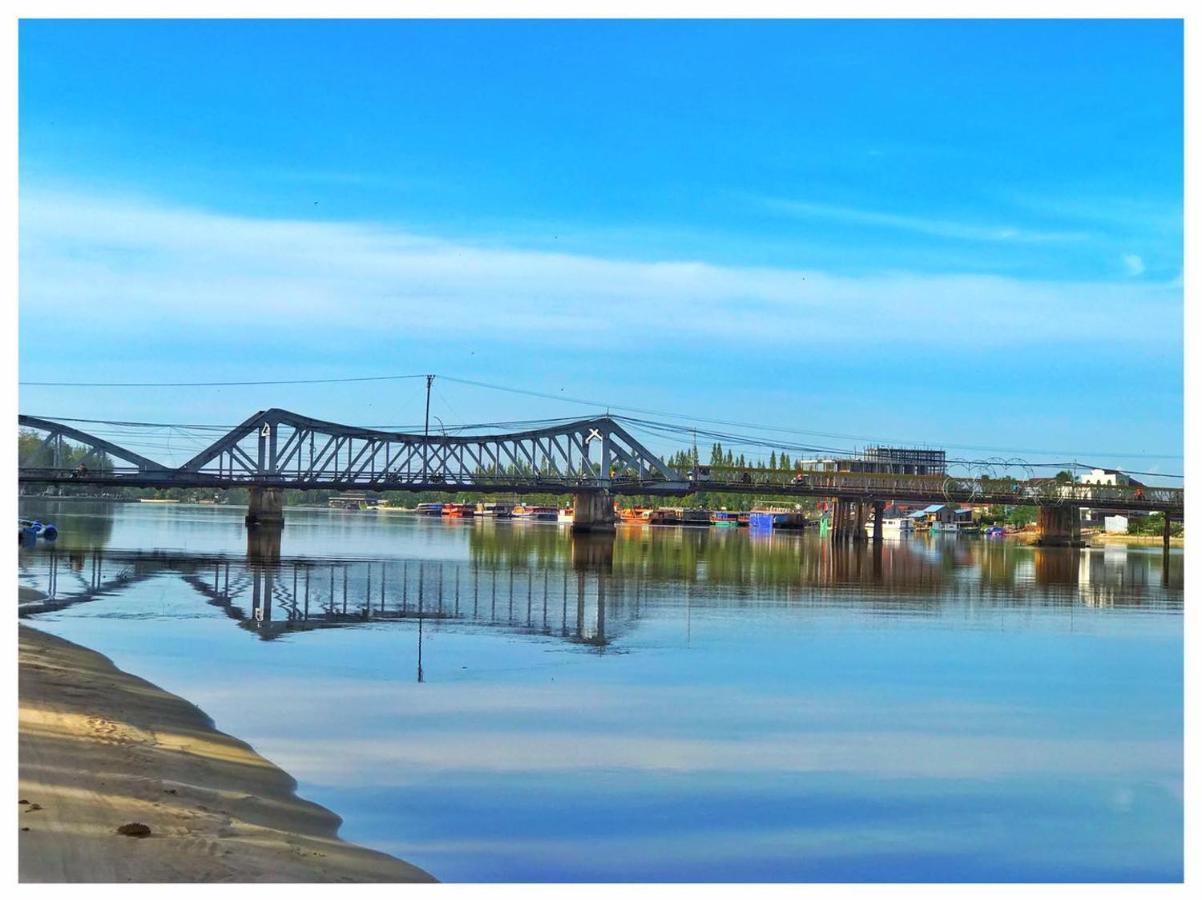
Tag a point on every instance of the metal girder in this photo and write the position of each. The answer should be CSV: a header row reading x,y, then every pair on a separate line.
x,y
59,430
276,446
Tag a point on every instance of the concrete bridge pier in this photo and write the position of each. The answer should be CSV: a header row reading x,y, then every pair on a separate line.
x,y
266,507
878,514
839,521
1059,526
847,520
593,512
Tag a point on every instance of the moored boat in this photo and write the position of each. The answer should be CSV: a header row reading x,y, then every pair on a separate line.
x,y
635,515
495,510
429,509
777,520
536,513
458,510
31,530
665,515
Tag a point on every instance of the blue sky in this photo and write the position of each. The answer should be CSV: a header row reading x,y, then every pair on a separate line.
x,y
956,233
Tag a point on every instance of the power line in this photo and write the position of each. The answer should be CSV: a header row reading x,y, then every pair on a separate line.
x,y
173,384
783,430
596,404
144,434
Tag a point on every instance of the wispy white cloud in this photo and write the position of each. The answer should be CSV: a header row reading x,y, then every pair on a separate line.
x,y
870,753
934,227
1133,264
108,265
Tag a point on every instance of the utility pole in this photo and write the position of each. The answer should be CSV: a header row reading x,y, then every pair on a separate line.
x,y
426,436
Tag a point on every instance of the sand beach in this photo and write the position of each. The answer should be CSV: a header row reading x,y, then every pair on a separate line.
x,y
100,749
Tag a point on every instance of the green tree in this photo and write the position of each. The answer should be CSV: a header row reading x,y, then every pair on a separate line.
x,y
1021,516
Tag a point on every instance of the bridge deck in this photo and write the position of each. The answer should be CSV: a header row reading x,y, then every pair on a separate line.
x,y
278,449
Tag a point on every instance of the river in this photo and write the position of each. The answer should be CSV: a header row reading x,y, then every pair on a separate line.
x,y
495,701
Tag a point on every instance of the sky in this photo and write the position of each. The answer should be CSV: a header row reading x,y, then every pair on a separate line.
x,y
955,234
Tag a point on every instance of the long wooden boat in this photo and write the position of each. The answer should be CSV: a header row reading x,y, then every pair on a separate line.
x,y
635,515
495,510
678,515
536,513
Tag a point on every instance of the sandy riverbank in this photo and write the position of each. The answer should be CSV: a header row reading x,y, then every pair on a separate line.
x,y
100,748
1101,539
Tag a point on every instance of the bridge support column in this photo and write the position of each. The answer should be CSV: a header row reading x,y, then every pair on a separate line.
x,y
266,507
593,512
878,515
1059,526
839,520
1167,532
847,521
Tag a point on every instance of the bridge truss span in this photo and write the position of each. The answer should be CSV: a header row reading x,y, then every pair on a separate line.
x,y
276,447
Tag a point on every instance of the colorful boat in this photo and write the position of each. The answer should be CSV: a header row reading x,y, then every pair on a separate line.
x,y
32,530
567,515
635,515
429,509
536,513
495,510
723,519
678,515
459,510
776,520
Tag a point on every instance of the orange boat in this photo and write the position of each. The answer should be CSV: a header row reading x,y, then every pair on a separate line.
x,y
459,510
635,515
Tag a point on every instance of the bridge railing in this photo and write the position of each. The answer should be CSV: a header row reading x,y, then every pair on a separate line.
x,y
948,488
450,481
869,486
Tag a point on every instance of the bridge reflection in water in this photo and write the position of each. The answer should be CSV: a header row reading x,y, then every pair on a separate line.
x,y
590,590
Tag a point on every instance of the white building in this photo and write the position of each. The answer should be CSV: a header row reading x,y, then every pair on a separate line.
x,y
1112,477
1116,524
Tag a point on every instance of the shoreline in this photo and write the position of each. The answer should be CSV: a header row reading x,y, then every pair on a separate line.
x,y
100,748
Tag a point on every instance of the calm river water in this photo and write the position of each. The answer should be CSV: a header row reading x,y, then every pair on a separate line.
x,y
494,701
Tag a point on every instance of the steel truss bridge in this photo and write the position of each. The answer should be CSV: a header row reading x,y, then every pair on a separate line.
x,y
276,448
